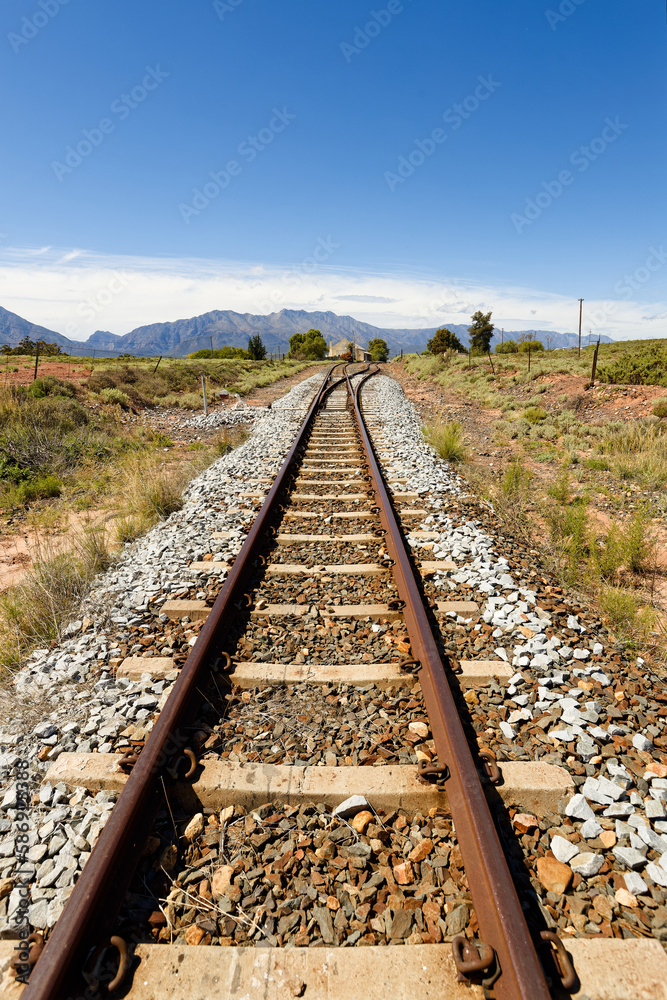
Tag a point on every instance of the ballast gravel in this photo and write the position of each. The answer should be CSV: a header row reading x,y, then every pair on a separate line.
x,y
575,700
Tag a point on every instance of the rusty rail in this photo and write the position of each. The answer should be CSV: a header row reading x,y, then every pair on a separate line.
x,y
518,970
91,911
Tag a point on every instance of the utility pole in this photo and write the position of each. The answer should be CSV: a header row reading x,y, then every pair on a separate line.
x,y
211,339
203,389
580,308
502,336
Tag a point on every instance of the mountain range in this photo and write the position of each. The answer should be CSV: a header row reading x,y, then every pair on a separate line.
x,y
225,327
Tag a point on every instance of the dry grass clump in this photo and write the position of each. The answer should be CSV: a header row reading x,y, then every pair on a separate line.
x,y
447,438
150,490
636,450
34,612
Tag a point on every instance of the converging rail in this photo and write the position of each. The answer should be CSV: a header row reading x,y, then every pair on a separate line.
x,y
504,959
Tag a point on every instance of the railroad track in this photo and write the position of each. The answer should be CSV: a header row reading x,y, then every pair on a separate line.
x,y
360,837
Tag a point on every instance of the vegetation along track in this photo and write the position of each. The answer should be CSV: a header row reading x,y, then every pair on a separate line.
x,y
214,842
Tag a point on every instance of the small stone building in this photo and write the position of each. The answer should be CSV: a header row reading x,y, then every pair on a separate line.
x,y
360,353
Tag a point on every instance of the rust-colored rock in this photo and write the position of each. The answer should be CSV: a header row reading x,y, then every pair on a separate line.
x,y
222,879
554,875
525,822
404,873
361,821
421,851
193,935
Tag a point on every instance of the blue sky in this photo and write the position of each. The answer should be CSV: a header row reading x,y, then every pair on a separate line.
x,y
543,181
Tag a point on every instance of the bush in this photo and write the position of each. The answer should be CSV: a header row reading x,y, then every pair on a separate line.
x,y
447,439
516,479
519,428
530,345
508,347
647,366
41,488
625,613
533,414
114,395
44,435
569,532
597,464
660,408
638,544
49,385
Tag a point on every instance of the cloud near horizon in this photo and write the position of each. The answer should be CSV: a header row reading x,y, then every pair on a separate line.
x,y
75,292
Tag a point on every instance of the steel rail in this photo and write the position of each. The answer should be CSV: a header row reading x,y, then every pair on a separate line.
x,y
501,921
92,909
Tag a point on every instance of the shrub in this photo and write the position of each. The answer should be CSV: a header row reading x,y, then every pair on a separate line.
x,y
608,553
508,347
597,464
114,395
638,544
41,488
516,479
43,435
646,366
569,532
625,613
534,414
547,432
519,428
49,385
660,408
447,438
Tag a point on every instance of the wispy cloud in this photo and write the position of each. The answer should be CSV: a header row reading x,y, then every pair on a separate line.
x,y
77,291
363,298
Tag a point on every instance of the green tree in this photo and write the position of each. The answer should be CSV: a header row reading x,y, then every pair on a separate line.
x,y
481,331
508,347
530,345
308,346
256,348
378,349
444,340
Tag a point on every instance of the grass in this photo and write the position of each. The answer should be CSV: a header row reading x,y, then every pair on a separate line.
x,y
612,566
34,613
447,438
177,383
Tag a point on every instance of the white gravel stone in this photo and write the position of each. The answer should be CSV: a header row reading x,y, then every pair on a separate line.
x,y
587,864
578,808
563,850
